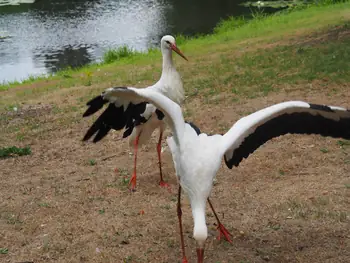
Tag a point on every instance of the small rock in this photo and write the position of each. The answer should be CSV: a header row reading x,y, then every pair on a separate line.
x,y
124,242
300,248
266,258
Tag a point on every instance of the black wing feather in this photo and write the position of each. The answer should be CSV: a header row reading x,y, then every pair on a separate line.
x,y
295,123
94,105
113,117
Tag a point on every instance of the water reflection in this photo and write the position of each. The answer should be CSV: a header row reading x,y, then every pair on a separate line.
x,y
52,34
15,2
65,8
69,56
200,17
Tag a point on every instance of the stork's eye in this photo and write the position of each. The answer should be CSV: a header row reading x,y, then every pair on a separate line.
x,y
167,41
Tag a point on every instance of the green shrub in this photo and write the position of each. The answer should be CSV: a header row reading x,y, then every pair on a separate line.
x,y
117,54
6,152
229,24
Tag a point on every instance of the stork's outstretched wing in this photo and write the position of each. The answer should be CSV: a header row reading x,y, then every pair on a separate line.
x,y
170,109
120,113
295,117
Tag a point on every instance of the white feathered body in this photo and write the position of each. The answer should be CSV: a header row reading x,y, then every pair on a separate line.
x,y
196,162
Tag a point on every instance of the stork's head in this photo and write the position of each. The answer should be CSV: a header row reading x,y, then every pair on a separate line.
x,y
200,230
200,234
168,43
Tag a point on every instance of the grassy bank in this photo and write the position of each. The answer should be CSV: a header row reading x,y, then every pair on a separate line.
x,y
228,34
245,58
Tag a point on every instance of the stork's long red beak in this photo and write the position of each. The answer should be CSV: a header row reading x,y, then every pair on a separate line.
x,y
178,51
200,255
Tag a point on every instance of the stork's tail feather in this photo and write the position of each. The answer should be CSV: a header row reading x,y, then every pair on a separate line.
x,y
94,105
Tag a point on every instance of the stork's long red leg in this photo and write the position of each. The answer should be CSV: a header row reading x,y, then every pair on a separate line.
x,y
159,149
179,215
133,177
223,232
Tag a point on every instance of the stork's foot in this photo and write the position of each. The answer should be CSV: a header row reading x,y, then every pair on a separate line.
x,y
164,184
223,232
132,183
184,260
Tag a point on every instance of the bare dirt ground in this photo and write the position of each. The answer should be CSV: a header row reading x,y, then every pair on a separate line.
x,y
288,202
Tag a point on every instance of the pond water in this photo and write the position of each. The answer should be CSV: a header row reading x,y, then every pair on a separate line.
x,y
43,36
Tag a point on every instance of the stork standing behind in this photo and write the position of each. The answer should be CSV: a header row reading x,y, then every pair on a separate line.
x,y
141,119
197,156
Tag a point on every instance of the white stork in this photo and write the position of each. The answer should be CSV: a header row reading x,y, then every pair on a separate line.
x,y
197,156
139,120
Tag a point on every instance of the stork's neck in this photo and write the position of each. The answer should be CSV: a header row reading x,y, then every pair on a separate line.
x,y
167,59
170,83
200,231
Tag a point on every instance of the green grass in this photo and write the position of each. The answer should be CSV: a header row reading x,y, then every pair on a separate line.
x,y
343,143
4,251
303,62
259,72
101,211
275,25
227,35
12,151
28,80
117,54
128,259
44,205
124,181
92,162
316,209
232,23
324,150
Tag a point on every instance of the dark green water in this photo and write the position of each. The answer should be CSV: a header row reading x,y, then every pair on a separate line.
x,y
48,35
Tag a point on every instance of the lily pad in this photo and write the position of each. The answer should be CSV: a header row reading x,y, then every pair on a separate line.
x,y
15,2
273,4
